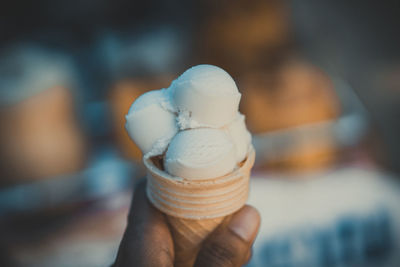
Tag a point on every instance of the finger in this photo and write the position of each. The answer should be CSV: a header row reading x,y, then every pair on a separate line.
x,y
230,245
147,240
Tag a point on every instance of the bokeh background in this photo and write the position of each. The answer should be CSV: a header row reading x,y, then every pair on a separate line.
x,y
320,84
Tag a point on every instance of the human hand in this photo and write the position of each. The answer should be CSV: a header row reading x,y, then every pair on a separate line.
x,y
148,242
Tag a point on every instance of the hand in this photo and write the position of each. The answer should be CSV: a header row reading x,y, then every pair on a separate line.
x,y
148,242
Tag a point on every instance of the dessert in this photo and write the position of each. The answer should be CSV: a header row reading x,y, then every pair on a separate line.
x,y
120,98
201,153
197,152
149,124
205,95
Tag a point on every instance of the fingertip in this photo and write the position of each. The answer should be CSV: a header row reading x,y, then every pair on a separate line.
x,y
245,223
253,210
230,244
256,213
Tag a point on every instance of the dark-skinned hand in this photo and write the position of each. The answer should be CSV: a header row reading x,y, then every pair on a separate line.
x,y
147,240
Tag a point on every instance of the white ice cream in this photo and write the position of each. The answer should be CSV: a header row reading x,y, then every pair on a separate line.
x,y
195,122
240,136
201,153
205,95
149,124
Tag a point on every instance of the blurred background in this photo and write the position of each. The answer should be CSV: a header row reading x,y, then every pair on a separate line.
x,y
320,84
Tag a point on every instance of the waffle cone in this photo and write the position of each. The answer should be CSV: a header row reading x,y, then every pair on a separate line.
x,y
195,208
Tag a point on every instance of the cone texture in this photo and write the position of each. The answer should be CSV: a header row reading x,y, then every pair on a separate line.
x,y
196,207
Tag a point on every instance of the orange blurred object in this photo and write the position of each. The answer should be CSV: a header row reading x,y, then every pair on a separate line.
x,y
297,95
40,137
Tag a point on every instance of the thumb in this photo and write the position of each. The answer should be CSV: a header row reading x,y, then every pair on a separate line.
x,y
230,245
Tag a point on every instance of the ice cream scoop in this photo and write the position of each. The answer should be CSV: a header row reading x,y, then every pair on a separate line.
x,y
149,124
201,153
241,137
205,95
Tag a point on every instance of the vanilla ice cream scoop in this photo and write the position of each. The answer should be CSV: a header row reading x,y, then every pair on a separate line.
x,y
241,137
202,153
150,124
205,96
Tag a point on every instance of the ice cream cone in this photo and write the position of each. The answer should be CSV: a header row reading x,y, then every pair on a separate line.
x,y
195,208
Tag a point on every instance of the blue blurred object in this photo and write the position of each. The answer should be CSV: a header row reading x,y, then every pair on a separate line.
x,y
27,69
147,51
347,217
105,175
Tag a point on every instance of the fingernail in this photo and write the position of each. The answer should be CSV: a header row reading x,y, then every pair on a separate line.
x,y
245,223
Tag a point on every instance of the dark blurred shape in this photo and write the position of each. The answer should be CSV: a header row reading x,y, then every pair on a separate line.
x,y
78,23
241,36
359,41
